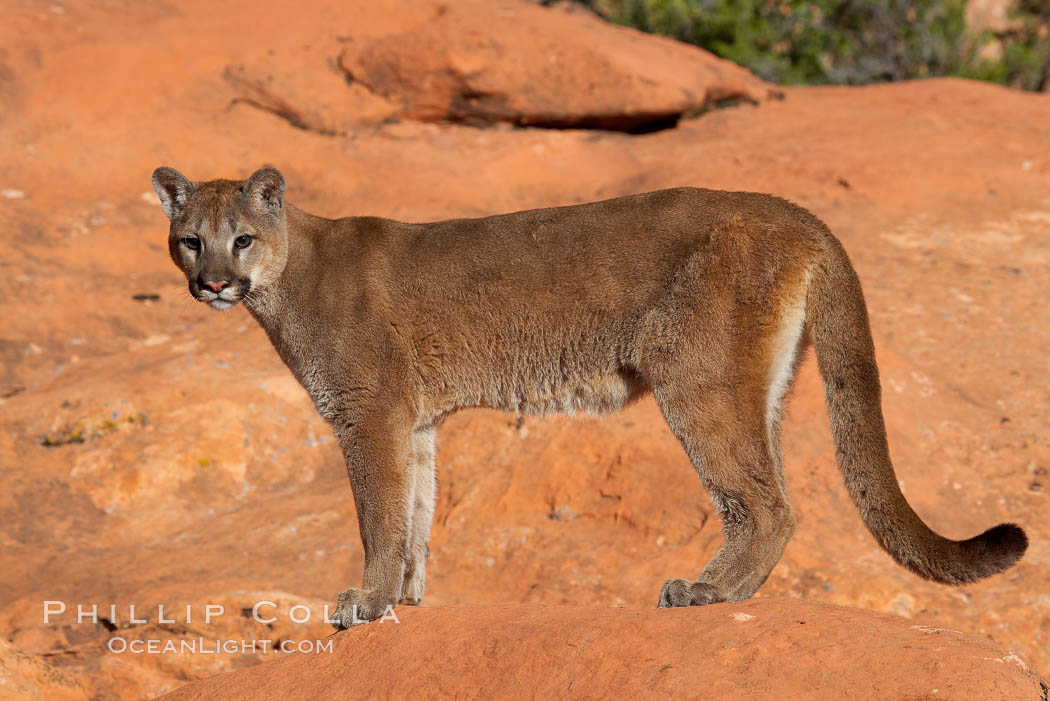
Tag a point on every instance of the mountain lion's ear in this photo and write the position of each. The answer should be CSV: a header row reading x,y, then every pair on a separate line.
x,y
173,189
265,190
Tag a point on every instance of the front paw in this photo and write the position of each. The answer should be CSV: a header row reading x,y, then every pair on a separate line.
x,y
357,606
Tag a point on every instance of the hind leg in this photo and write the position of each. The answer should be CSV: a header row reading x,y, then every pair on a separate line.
x,y
732,441
421,517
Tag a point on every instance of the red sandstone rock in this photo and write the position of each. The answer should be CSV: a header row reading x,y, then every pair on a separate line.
x,y
938,190
481,62
771,649
484,62
28,677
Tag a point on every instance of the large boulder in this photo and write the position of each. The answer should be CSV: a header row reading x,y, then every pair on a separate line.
x,y
518,63
483,63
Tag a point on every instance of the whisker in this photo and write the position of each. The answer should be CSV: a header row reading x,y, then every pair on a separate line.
x,y
251,296
183,295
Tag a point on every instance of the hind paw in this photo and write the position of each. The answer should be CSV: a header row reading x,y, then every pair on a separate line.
x,y
683,592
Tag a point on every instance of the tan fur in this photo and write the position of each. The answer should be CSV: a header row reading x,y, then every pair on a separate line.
x,y
705,298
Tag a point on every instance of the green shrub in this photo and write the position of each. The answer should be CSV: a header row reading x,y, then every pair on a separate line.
x,y
1024,48
848,42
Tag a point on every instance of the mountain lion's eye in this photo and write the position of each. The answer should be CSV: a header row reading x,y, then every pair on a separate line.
x,y
243,241
194,244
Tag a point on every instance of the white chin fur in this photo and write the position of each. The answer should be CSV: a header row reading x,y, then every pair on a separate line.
x,y
221,304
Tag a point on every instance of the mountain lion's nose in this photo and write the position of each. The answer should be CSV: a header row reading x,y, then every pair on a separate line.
x,y
216,286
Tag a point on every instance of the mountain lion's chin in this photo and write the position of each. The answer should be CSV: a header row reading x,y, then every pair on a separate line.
x,y
222,305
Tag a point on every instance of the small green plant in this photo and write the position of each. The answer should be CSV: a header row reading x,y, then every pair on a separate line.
x,y
848,42
91,428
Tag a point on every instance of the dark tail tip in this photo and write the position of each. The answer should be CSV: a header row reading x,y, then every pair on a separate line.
x,y
965,561
993,551
1007,540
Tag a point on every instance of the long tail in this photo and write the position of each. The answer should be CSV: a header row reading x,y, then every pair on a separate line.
x,y
837,319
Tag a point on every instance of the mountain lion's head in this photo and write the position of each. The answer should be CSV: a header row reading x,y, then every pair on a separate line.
x,y
230,238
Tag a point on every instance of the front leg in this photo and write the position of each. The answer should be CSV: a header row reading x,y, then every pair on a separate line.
x,y
377,444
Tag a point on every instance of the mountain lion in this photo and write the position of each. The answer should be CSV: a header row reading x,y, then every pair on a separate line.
x,y
706,299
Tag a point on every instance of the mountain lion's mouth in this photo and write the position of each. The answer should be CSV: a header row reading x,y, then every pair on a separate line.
x,y
218,301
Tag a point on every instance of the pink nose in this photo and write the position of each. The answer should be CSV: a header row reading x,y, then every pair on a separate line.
x,y
216,286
